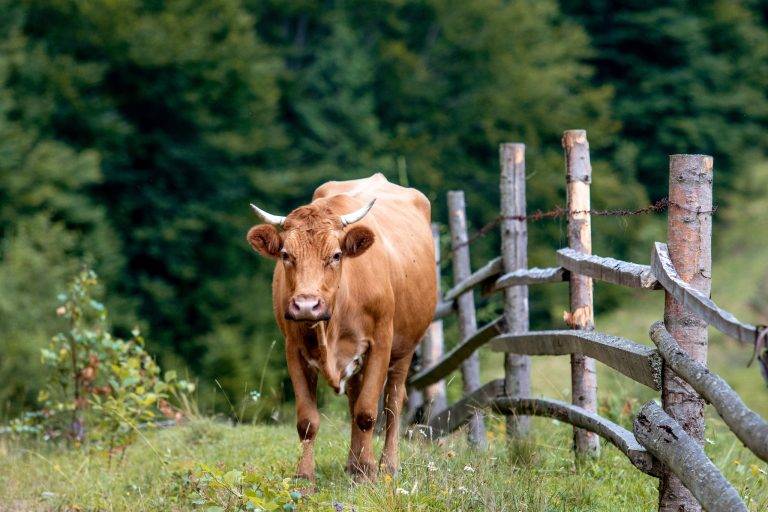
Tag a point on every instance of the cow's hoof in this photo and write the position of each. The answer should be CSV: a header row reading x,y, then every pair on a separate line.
x,y
363,472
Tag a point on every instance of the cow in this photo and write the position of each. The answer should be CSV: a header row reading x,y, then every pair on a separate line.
x,y
353,292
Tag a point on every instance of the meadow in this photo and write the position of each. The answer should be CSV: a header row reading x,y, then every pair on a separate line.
x,y
208,465
133,135
212,464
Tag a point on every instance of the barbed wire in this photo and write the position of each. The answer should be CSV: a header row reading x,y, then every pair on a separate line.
x,y
560,212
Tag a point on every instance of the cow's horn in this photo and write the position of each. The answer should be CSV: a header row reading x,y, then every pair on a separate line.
x,y
275,220
355,216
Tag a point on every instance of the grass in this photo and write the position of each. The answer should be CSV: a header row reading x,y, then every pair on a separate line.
x,y
162,471
537,476
155,473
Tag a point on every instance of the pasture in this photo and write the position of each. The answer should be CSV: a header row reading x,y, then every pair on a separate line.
x,y
212,464
541,476
150,361
158,473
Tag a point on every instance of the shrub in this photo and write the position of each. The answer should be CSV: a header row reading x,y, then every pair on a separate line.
x,y
100,388
239,489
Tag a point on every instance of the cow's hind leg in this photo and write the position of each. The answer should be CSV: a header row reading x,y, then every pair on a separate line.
x,y
393,405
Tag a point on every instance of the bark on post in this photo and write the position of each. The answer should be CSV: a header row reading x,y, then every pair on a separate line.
x,y
689,241
433,346
514,254
578,173
470,368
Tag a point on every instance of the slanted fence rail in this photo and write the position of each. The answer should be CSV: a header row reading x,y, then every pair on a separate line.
x,y
659,445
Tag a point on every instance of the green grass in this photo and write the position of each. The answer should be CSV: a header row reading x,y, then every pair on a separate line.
x,y
536,476
539,476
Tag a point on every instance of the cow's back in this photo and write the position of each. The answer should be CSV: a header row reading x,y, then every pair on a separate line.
x,y
404,250
399,202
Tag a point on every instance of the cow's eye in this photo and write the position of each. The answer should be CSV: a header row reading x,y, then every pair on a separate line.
x,y
336,256
285,257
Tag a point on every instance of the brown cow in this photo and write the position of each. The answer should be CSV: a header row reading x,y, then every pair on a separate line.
x,y
352,302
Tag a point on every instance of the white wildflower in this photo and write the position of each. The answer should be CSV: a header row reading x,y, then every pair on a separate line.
x,y
400,490
432,466
469,469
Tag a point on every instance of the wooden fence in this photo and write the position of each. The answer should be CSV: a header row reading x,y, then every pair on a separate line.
x,y
666,442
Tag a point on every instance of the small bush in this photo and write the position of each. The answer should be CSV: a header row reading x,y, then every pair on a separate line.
x,y
217,490
100,388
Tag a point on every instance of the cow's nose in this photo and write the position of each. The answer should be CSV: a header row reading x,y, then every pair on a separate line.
x,y
307,307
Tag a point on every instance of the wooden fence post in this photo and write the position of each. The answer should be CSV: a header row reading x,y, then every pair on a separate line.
x,y
514,255
415,400
432,347
578,174
470,368
689,235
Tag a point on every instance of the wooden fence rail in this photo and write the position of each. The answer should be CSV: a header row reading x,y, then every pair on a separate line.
x,y
463,411
453,359
487,281
528,276
590,421
748,426
666,443
638,362
698,303
444,309
609,270
684,456
487,272
491,397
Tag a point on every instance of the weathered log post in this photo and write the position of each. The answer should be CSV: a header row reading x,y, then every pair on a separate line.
x,y
663,437
433,346
470,368
514,255
415,400
689,234
578,174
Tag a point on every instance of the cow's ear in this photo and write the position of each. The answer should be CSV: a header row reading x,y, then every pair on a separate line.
x,y
357,241
265,240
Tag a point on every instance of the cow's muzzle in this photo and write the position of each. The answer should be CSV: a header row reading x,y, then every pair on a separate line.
x,y
307,308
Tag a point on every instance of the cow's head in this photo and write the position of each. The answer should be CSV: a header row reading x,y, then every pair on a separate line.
x,y
311,244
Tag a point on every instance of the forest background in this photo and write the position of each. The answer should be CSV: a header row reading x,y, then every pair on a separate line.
x,y
134,133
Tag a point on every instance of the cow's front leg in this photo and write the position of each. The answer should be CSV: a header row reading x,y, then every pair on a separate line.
x,y
360,460
393,405
367,404
304,380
